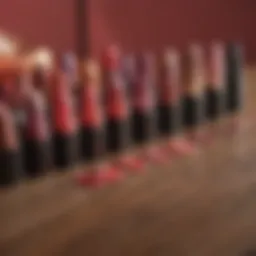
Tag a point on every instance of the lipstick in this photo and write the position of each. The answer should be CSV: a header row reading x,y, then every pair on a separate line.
x,y
64,121
214,95
10,152
91,113
117,110
92,135
169,105
234,82
37,135
194,87
144,100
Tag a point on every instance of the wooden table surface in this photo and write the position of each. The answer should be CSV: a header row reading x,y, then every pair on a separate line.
x,y
202,205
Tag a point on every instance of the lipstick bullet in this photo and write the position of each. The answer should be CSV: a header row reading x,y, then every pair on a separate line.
x,y
129,72
41,63
70,67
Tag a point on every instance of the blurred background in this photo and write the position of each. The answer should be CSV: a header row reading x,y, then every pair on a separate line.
x,y
202,204
134,24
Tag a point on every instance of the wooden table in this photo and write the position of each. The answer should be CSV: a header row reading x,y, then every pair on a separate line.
x,y
202,205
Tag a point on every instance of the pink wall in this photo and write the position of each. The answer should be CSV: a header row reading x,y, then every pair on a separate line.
x,y
47,22
156,23
135,24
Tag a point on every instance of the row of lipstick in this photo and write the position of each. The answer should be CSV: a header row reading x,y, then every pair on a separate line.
x,y
54,118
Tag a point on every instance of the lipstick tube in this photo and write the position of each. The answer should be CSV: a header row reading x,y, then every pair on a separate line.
x,y
169,105
214,94
10,151
37,135
64,122
235,78
193,105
